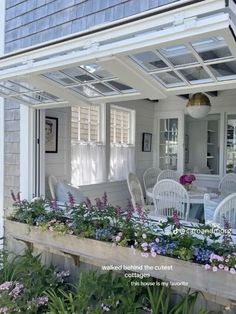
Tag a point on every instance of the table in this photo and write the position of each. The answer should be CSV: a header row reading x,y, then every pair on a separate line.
x,y
196,197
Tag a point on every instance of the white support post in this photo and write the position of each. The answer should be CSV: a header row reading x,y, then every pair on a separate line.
x,y
27,152
1,166
105,134
2,48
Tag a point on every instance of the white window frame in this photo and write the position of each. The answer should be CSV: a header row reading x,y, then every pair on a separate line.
x,y
180,154
131,128
99,126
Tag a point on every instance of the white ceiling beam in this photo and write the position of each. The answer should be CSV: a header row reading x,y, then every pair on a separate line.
x,y
129,74
224,85
122,97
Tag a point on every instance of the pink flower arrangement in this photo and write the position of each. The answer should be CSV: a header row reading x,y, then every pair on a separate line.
x,y
187,179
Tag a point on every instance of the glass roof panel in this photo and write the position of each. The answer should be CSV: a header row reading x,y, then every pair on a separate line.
x,y
86,91
149,61
224,71
97,70
121,87
104,89
196,75
11,88
212,48
178,55
169,79
78,75
28,99
60,78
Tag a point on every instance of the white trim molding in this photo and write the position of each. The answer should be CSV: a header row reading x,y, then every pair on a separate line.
x,y
2,45
27,138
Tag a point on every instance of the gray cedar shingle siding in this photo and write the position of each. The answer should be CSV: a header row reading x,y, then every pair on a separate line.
x,y
11,150
31,22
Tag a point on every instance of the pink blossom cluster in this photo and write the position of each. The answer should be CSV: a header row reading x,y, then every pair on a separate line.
x,y
218,262
4,310
62,274
13,288
187,179
37,302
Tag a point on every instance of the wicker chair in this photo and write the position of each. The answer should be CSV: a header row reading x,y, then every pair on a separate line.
x,y
226,210
135,190
168,174
149,180
170,196
227,184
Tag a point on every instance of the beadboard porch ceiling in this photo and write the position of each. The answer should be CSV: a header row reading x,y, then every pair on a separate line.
x,y
182,51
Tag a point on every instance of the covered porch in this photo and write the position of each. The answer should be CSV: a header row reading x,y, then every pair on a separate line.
x,y
101,105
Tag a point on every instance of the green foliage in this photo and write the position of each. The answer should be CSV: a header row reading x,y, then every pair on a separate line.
x,y
24,282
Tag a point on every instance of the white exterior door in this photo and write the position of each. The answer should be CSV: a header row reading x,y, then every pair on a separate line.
x,y
170,141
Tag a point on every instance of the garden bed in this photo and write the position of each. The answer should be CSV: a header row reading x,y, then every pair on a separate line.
x,y
218,284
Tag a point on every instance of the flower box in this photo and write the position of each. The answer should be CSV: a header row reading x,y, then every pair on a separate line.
x,y
218,284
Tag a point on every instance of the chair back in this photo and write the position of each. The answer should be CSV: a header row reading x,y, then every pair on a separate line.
x,y
226,210
52,182
135,190
170,196
150,177
227,184
168,174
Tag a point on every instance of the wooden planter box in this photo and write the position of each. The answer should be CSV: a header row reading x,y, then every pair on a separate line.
x,y
219,284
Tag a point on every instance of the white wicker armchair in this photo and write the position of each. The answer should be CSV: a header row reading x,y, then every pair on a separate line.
x,y
170,196
52,182
135,190
149,180
168,174
227,184
226,209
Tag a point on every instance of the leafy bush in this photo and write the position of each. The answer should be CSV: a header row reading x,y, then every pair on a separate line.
x,y
24,282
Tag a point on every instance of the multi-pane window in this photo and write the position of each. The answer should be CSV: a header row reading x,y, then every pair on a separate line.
x,y
120,126
86,124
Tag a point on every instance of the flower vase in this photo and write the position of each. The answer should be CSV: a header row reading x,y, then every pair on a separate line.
x,y
188,186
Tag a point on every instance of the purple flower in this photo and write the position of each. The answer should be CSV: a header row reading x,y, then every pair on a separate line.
x,y
99,203
118,211
139,210
13,196
71,200
176,219
53,204
104,199
88,203
4,310
232,270
18,197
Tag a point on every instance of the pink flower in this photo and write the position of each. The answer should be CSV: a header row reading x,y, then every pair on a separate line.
x,y
214,268
117,238
221,266
207,267
226,268
154,254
